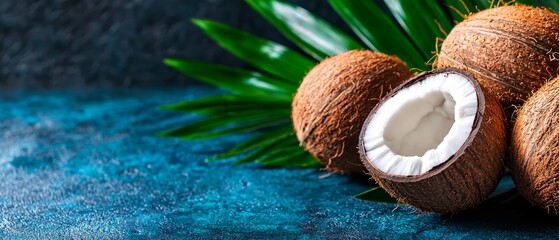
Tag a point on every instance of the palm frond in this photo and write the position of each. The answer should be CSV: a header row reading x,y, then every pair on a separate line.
x,y
285,144
225,123
236,80
312,34
423,21
276,148
459,9
364,17
259,141
553,5
482,4
226,103
266,55
286,159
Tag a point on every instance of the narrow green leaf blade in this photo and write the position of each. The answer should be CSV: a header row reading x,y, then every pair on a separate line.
x,y
310,161
312,34
442,21
376,194
552,4
241,128
266,150
532,2
220,120
288,151
228,103
233,79
460,8
482,4
293,157
263,54
419,20
258,141
377,30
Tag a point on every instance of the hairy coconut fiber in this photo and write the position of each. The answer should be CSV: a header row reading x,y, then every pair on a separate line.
x,y
534,160
334,99
469,176
511,50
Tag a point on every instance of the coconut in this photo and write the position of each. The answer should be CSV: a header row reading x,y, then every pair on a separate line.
x,y
511,50
534,160
436,142
334,99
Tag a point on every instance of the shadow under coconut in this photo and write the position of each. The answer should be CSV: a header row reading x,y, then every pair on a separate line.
x,y
516,215
505,211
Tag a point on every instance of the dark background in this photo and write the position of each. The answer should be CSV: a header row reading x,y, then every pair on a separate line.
x,y
119,43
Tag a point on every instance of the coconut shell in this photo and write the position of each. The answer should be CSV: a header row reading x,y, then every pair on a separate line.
x,y
534,163
334,99
464,180
511,50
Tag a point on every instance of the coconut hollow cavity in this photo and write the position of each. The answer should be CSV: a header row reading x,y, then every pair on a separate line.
x,y
436,142
422,125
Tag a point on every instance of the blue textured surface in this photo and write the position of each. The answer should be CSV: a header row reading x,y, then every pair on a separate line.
x,y
87,165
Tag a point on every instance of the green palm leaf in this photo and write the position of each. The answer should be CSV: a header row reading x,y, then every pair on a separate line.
x,y
258,141
233,79
460,8
241,128
422,28
552,4
312,34
272,151
226,123
286,159
530,2
228,103
364,17
263,54
482,4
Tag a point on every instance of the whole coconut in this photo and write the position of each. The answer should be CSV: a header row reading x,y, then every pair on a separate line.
x,y
334,99
511,50
534,160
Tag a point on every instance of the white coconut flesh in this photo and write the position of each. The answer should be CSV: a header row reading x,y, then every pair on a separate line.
x,y
422,125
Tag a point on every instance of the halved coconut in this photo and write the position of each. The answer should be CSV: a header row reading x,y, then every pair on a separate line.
x,y
436,142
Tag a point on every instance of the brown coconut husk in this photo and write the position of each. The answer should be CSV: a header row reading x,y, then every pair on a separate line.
x,y
534,160
334,99
464,180
511,50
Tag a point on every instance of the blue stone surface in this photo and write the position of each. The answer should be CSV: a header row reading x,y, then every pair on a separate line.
x,y
88,165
